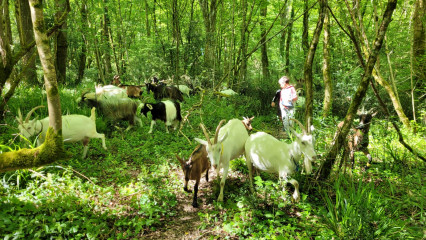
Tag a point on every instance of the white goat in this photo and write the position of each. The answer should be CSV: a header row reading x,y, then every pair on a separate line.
x,y
228,92
74,128
268,154
228,144
113,103
184,89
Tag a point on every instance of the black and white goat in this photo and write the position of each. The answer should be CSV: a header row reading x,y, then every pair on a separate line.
x,y
163,91
113,103
167,111
74,128
266,153
357,139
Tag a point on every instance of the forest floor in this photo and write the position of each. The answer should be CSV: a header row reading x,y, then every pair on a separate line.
x,y
187,223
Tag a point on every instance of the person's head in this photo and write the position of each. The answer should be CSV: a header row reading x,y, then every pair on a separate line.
x,y
284,80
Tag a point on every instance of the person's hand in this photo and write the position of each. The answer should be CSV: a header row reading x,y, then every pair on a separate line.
x,y
272,104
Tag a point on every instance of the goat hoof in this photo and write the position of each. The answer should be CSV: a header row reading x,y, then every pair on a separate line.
x,y
195,204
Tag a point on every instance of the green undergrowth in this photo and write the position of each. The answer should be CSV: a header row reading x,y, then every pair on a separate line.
x,y
131,189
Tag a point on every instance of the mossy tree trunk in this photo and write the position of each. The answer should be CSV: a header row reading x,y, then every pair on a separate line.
x,y
52,149
309,62
359,95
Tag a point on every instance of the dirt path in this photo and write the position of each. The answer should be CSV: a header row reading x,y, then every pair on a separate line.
x,y
186,224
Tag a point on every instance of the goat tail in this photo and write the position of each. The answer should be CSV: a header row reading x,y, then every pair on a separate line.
x,y
93,114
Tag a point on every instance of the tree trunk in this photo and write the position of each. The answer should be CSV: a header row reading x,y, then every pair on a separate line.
x,y
106,45
176,37
342,132
147,11
305,33
283,22
209,16
243,47
418,51
61,44
264,49
287,44
309,61
83,54
328,85
355,14
26,36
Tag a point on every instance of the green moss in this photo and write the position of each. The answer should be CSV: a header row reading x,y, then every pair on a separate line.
x,y
50,151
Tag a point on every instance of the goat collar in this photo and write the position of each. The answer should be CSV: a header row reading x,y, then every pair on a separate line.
x,y
296,163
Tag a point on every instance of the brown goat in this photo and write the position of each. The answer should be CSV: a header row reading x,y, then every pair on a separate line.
x,y
132,91
197,164
357,139
163,91
247,123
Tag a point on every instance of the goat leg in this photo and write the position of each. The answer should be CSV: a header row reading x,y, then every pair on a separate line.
x,y
207,175
194,200
86,146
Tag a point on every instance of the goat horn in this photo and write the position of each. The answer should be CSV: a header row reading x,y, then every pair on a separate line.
x,y
300,125
31,112
149,106
217,130
205,133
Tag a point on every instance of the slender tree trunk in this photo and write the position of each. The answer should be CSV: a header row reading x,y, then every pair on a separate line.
x,y
176,37
106,45
264,49
209,16
418,52
61,44
287,44
26,36
355,14
283,22
83,54
309,62
147,11
243,47
305,33
359,95
328,85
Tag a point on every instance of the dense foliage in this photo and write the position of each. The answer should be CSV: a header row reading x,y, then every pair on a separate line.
x,y
133,190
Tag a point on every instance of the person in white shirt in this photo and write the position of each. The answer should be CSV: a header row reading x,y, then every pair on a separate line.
x,y
288,98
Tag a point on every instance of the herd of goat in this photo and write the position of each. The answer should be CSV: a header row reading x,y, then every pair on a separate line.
x,y
262,151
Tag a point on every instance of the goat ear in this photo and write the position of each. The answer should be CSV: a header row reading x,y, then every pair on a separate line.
x,y
223,138
201,141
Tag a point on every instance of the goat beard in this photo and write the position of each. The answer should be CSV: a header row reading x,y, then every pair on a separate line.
x,y
308,165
